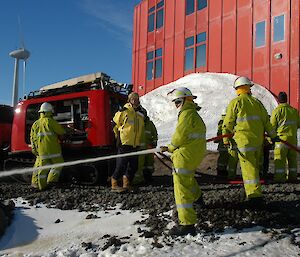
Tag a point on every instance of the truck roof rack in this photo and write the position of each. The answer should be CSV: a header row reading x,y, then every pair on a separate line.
x,y
93,81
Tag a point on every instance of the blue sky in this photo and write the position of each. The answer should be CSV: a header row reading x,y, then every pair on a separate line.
x,y
66,38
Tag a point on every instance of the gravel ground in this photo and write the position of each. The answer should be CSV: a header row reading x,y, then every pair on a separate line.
x,y
224,204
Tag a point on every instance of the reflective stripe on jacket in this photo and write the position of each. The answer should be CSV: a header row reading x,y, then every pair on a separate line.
x,y
129,125
286,121
188,143
44,136
248,119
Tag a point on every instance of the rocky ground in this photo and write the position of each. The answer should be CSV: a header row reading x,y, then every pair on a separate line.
x,y
224,203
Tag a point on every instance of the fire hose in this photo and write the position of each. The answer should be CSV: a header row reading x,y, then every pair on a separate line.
x,y
102,158
72,163
293,147
207,140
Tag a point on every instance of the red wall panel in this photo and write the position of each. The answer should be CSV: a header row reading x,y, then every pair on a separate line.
x,y
244,41
229,6
179,39
229,44
135,47
261,55
168,52
214,39
279,77
143,45
190,22
294,54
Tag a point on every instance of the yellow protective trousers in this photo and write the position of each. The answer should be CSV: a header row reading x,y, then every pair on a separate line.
x,y
284,155
145,163
34,178
186,191
222,159
41,178
249,162
233,160
139,176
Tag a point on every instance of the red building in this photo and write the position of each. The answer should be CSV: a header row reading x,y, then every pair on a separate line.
x,y
254,38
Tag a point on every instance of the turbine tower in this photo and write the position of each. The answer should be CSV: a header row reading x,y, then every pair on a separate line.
x,y
19,54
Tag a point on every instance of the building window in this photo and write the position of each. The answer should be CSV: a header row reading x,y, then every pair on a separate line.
x,y
156,16
151,22
278,28
201,4
201,50
154,64
189,53
190,5
260,34
192,46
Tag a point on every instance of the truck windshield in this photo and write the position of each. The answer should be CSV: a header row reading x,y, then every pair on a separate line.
x,y
7,114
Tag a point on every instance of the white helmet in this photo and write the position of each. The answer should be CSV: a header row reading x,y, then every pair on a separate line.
x,y
181,92
241,81
46,107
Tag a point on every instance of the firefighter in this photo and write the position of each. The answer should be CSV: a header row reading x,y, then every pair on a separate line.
x,y
264,160
247,118
129,123
148,141
188,148
228,158
286,121
223,151
46,147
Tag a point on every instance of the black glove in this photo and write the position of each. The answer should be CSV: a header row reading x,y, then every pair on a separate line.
x,y
163,149
275,139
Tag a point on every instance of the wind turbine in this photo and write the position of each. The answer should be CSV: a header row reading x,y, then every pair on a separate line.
x,y
19,54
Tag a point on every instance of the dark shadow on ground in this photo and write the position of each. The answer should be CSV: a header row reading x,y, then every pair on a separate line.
x,y
22,230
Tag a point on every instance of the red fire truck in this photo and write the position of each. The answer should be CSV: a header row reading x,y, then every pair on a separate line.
x,y
6,119
85,106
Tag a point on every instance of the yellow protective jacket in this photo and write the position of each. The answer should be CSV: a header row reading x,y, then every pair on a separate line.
x,y
286,120
188,143
44,137
220,124
150,133
129,125
248,119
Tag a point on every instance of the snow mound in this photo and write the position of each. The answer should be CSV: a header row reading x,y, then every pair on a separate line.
x,y
214,92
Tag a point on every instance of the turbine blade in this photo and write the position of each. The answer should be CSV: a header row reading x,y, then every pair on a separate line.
x,y
22,43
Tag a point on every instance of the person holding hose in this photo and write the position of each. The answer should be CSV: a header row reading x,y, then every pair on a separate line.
x,y
286,121
188,148
46,147
247,119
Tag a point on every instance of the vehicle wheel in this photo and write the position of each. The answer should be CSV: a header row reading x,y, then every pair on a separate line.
x,y
88,174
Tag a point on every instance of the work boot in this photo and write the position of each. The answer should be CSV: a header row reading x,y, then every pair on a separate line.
x,y
255,203
200,202
292,177
174,215
182,230
222,172
126,183
115,187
